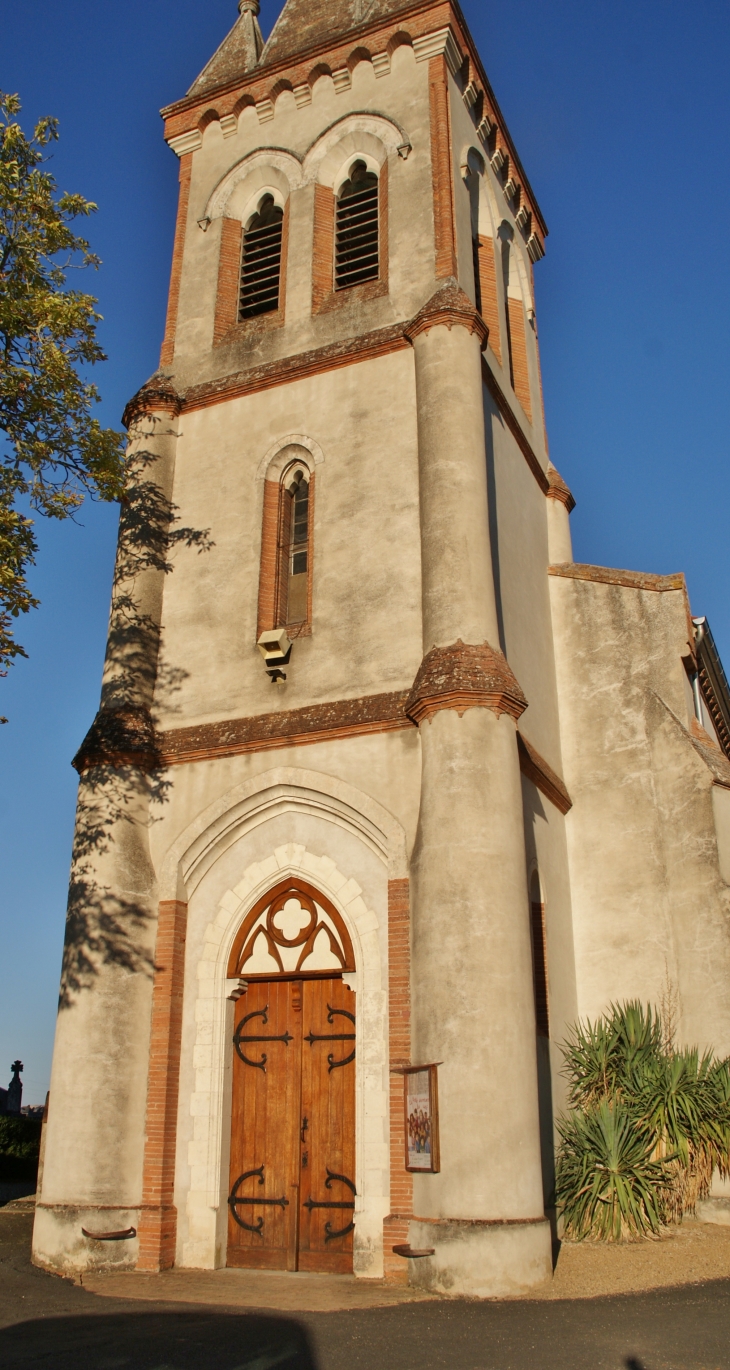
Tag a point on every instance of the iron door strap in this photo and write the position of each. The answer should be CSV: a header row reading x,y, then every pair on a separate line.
x,y
238,1038
235,1200
334,1203
313,1037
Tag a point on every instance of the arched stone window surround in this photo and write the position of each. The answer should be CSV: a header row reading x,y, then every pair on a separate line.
x,y
356,135
284,789
277,457
233,202
267,169
372,139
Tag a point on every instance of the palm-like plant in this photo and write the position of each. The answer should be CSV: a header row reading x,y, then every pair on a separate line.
x,y
660,1117
609,1183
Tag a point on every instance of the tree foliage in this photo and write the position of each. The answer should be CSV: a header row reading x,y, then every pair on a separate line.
x,y
648,1126
52,451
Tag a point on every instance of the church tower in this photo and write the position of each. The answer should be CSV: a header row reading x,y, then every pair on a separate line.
x,y
322,811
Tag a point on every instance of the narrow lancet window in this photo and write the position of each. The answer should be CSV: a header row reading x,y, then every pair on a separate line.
x,y
261,261
539,959
298,558
357,235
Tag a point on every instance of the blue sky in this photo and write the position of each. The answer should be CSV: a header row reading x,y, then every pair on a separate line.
x,y
621,115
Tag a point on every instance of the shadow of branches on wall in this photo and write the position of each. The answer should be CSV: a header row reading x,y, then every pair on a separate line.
x,y
112,911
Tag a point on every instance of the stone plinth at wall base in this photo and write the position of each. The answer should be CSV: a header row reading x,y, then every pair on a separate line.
x,y
714,1211
157,1238
481,1260
60,1245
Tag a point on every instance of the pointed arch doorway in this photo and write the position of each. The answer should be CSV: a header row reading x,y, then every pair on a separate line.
x,y
291,1196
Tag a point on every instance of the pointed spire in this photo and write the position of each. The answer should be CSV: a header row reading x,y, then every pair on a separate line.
x,y
238,53
253,39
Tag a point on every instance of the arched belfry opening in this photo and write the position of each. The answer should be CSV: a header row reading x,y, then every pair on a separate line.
x,y
291,1195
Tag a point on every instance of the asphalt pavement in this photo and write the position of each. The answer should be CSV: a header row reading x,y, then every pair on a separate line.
x,y
50,1322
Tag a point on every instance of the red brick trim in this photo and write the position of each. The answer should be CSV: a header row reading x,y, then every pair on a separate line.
x,y
462,677
489,295
442,169
229,278
535,768
274,568
173,301
395,1226
296,728
324,296
323,248
379,343
268,572
629,580
518,355
448,306
557,489
228,327
119,737
158,1215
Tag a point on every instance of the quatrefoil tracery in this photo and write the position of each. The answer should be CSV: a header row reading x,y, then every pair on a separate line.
x,y
317,916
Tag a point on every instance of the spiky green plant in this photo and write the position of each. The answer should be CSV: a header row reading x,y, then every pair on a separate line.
x,y
609,1183
676,1105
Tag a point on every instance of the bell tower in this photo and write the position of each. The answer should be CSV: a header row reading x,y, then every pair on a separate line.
x,y
323,658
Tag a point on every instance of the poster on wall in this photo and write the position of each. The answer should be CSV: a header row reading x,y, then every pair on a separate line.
x,y
422,1119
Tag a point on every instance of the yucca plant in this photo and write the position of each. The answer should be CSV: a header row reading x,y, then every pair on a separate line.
x,y
663,1114
609,1183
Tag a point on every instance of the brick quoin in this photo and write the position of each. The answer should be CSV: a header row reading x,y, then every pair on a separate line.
x,y
269,553
395,1226
520,373
323,248
490,298
229,278
158,1215
173,300
442,169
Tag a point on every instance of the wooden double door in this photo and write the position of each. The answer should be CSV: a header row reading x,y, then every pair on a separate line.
x,y
291,1197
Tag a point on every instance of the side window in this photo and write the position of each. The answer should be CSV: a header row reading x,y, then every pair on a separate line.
x,y
261,260
295,521
515,321
539,958
285,576
357,229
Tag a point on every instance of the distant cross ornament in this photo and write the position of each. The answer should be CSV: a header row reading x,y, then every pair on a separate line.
x,y
15,1088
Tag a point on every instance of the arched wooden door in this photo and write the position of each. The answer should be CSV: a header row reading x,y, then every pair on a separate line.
x,y
292,1172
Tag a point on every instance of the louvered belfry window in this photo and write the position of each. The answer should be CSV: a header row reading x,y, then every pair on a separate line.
x,y
357,229
261,261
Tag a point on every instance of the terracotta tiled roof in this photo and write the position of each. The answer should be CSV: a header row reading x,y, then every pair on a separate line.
x,y
303,23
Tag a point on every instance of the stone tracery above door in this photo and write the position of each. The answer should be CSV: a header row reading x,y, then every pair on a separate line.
x,y
292,930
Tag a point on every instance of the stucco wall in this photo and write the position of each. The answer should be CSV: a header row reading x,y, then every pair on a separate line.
x,y
650,908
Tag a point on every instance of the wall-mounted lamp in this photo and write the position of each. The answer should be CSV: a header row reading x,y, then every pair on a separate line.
x,y
275,648
204,224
